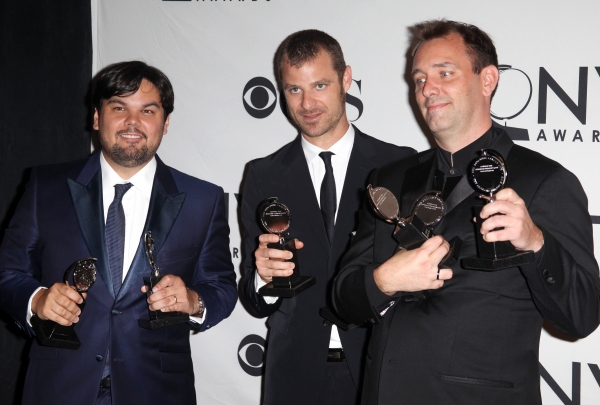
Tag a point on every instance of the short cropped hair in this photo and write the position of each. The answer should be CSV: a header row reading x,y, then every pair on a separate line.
x,y
305,46
480,46
124,78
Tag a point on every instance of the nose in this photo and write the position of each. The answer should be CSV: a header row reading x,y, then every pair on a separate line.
x,y
132,119
308,102
430,87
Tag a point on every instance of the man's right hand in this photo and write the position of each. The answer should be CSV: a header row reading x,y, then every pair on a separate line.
x,y
270,262
57,303
414,270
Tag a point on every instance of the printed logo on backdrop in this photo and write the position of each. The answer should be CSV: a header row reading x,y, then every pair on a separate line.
x,y
260,99
514,95
251,355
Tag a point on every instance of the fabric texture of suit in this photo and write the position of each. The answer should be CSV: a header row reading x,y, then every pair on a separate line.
x,y
476,339
299,337
60,220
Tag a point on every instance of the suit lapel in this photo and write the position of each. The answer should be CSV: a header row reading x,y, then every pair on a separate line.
x,y
353,190
297,176
165,205
86,193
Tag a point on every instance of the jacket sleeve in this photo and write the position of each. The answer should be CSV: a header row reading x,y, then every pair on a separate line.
x,y
214,277
251,198
564,281
19,258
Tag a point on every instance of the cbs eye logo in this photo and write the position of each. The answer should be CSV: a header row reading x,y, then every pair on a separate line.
x,y
259,97
251,355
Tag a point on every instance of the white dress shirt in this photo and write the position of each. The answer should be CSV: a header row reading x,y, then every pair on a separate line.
x,y
316,167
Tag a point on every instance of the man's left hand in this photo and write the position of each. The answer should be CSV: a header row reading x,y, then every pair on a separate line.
x,y
170,295
515,223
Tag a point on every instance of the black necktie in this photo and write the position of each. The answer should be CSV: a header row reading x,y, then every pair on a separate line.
x,y
328,199
115,236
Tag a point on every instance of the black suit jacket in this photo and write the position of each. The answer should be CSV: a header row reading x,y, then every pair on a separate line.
x,y
475,340
299,338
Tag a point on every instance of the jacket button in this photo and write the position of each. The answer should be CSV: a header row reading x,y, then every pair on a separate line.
x,y
326,323
545,272
115,312
550,280
99,358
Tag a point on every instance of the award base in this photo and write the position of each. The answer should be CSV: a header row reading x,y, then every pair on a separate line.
x,y
413,235
300,284
287,287
493,256
451,257
50,333
159,319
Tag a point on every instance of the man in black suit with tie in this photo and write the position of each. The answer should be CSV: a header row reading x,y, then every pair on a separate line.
x,y
475,338
321,177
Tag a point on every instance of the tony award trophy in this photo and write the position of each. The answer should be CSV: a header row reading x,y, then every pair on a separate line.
x,y
158,319
488,174
412,232
275,217
50,333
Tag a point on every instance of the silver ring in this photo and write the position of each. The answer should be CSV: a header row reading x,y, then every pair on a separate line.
x,y
176,296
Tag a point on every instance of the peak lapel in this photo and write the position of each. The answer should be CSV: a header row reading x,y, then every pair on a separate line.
x,y
165,205
86,193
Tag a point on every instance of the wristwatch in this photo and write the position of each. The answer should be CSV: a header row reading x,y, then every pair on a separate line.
x,y
200,307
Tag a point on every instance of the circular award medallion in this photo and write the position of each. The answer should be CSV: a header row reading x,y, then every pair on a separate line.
x,y
274,216
430,208
384,203
488,172
84,274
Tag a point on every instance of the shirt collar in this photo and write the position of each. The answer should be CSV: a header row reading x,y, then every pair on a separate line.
x,y
461,160
142,180
341,148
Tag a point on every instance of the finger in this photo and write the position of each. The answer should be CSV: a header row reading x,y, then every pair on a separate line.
x,y
432,244
444,274
267,238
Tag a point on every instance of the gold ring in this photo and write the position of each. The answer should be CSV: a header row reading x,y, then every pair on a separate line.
x,y
176,297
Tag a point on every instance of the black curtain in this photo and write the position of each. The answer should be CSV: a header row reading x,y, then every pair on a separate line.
x,y
45,74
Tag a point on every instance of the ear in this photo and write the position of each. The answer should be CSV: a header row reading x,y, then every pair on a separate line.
x,y
489,79
347,79
95,124
166,124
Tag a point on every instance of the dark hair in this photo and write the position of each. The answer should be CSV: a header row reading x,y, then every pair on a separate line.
x,y
480,46
124,78
305,46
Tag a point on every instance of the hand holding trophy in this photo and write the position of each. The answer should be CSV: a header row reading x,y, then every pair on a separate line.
x,y
275,218
50,333
488,175
158,319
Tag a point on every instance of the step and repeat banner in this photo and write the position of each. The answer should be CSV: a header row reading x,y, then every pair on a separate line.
x,y
219,57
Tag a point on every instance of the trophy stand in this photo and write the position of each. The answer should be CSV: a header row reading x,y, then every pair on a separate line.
x,y
157,319
488,174
50,333
275,217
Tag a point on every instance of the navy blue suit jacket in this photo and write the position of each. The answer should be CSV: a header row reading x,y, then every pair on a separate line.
x,y
60,220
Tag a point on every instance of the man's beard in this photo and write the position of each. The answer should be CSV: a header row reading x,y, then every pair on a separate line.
x,y
130,156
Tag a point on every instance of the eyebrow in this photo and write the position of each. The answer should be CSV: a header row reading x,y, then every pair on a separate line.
x,y
435,65
326,81
116,100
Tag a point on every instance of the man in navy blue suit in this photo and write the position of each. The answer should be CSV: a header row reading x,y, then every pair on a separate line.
x,y
64,216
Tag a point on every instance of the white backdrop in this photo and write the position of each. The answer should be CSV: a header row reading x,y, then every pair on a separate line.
x,y
211,49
